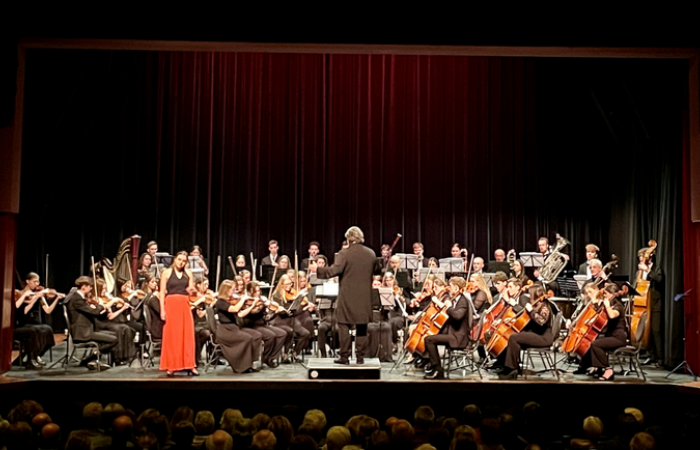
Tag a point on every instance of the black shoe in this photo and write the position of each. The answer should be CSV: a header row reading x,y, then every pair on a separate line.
x,y
595,372
33,365
435,375
359,360
505,375
499,370
251,370
580,371
429,368
273,364
341,360
610,377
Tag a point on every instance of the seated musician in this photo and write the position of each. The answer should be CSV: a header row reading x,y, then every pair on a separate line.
x,y
245,278
240,264
196,252
203,316
397,316
284,295
515,296
519,271
116,321
152,303
419,251
307,307
591,253
500,283
82,322
455,333
597,274
456,251
499,263
385,251
145,268
134,312
438,290
611,337
240,348
482,298
537,333
478,265
379,330
157,265
273,338
29,325
326,309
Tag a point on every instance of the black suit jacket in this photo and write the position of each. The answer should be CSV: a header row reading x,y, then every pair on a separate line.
x,y
354,266
460,322
82,316
583,269
656,286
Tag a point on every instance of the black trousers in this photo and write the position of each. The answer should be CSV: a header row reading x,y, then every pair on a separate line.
x,y
656,346
524,340
597,356
201,337
303,335
326,327
106,340
397,323
273,339
346,341
431,344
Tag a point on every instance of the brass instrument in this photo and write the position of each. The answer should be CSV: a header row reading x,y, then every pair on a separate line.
x,y
555,263
510,257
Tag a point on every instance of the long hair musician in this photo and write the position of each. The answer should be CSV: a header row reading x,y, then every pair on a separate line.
x,y
240,348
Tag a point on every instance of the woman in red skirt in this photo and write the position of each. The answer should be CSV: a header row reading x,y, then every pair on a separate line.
x,y
178,346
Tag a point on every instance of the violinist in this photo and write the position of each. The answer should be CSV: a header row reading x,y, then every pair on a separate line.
x,y
83,315
611,337
397,316
455,333
421,300
115,320
326,309
537,333
273,338
307,307
203,316
29,327
284,296
134,298
240,348
245,277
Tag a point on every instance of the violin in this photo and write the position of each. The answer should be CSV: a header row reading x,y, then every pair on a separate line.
x,y
471,287
91,300
208,298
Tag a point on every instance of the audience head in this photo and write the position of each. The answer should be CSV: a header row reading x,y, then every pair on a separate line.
x,y
471,415
161,429
18,436
25,411
183,413
283,430
423,417
592,428
122,429
183,433
228,418
303,442
261,421
337,438
219,440
642,441
80,440
264,440
638,416
204,423
111,412
490,431
92,415
402,434
50,436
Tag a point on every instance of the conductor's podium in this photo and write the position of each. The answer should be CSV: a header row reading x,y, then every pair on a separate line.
x,y
326,369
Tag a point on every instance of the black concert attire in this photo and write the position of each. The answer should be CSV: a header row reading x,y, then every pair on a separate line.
x,y
156,327
656,287
37,336
293,326
498,266
204,327
455,334
379,332
611,337
584,269
125,334
326,313
273,338
537,333
480,301
240,348
82,323
354,266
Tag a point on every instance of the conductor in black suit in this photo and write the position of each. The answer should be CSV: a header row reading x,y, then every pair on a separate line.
x,y
354,266
82,321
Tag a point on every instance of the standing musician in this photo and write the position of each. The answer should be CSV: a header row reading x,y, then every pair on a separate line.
x,y
178,347
29,326
271,259
284,296
652,271
241,348
456,332
611,337
313,254
273,338
537,333
82,321
591,253
354,266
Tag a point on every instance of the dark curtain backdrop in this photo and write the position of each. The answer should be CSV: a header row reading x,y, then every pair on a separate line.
x,y
228,150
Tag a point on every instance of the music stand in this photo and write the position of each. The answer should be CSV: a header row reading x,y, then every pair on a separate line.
x,y
409,261
581,281
488,278
164,258
402,280
532,259
452,264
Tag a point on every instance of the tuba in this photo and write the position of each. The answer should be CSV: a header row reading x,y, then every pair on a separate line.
x,y
555,263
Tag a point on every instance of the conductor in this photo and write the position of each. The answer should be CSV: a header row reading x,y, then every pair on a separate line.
x,y
354,266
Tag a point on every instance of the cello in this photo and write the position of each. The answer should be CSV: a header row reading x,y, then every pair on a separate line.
x,y
588,326
511,323
495,313
641,310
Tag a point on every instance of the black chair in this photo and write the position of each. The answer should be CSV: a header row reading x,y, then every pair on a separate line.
x,y
72,345
152,344
548,355
629,355
464,357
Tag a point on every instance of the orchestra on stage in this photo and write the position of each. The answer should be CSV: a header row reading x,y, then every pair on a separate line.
x,y
408,309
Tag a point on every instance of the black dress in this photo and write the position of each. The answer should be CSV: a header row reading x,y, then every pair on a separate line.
x,y
37,337
240,348
611,337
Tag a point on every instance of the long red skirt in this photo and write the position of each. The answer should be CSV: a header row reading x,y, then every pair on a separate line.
x,y
178,346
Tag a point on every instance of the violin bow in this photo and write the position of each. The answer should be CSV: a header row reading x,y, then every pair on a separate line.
x,y
233,266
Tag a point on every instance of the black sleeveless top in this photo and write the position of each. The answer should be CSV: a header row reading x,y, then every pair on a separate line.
x,y
177,285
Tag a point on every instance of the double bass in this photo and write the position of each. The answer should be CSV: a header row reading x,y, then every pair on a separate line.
x,y
641,306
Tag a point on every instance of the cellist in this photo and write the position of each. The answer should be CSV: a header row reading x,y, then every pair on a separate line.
x,y
537,333
611,337
455,333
